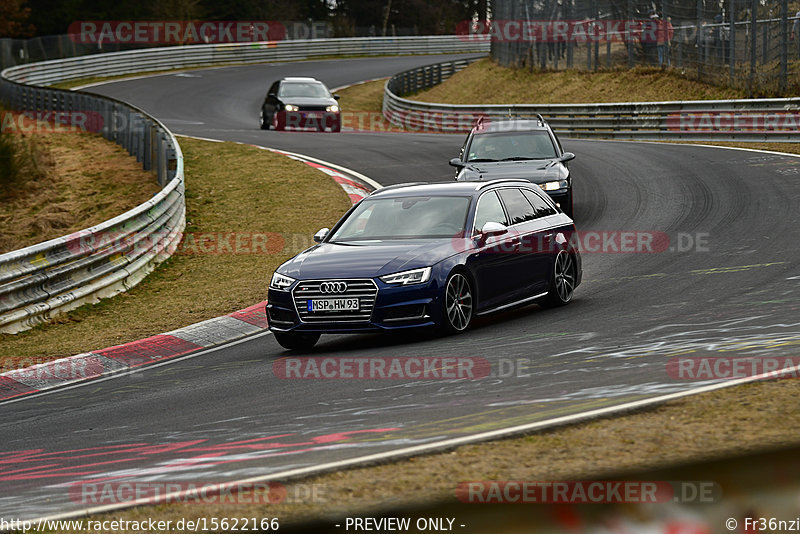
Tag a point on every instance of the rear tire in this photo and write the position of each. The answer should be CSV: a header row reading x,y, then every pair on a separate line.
x,y
296,340
562,281
458,304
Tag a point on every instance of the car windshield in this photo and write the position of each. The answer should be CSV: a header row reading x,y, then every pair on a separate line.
x,y
510,146
312,90
405,218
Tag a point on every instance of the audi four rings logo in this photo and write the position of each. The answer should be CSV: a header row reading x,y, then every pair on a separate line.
x,y
333,287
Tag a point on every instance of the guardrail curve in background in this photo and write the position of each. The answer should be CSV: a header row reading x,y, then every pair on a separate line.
x,y
55,276
750,120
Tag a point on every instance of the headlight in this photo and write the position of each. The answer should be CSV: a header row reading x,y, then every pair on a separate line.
x,y
552,186
332,109
416,276
281,281
290,107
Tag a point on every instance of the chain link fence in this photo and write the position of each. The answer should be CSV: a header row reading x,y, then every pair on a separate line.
x,y
752,45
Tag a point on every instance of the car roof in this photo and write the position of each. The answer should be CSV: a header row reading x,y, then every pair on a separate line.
x,y
509,125
444,188
306,79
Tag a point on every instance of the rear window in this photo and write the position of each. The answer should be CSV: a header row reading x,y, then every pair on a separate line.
x,y
518,207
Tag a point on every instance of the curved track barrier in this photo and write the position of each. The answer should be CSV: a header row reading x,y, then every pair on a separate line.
x,y
55,276
755,120
178,57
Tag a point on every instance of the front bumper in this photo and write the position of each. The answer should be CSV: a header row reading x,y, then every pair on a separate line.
x,y
310,119
395,308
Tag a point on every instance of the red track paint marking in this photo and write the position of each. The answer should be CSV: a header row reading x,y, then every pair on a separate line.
x,y
10,388
151,349
255,315
184,454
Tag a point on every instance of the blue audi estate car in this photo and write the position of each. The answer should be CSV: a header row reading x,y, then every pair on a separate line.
x,y
427,255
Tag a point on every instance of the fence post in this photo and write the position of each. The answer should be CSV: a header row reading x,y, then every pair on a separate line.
x,y
753,21
732,45
629,38
784,44
698,40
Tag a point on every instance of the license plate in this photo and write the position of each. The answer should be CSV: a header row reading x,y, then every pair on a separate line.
x,y
312,115
319,305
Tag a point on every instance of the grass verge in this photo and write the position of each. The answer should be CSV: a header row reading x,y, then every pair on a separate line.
x,y
69,181
488,83
230,189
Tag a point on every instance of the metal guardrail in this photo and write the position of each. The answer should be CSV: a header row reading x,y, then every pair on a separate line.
x,y
42,280
131,61
749,120
55,276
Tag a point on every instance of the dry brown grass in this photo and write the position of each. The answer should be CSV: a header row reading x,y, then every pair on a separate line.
x,y
229,188
485,82
72,181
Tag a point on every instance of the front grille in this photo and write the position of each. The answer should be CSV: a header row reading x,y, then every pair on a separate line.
x,y
364,290
312,108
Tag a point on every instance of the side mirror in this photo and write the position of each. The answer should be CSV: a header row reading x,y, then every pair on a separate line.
x,y
336,97
271,95
492,228
321,235
456,162
567,156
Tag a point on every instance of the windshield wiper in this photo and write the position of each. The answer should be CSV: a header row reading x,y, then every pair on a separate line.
x,y
519,158
478,160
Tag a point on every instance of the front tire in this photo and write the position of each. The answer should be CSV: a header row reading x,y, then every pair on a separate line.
x,y
278,121
262,122
296,340
562,281
567,207
458,304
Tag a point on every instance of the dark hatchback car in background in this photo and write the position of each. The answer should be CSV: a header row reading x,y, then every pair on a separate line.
x,y
426,255
517,148
300,102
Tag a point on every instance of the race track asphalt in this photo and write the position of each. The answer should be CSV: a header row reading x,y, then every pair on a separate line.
x,y
727,283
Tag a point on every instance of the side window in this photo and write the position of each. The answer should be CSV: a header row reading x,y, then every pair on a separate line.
x,y
519,209
489,210
543,209
273,88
